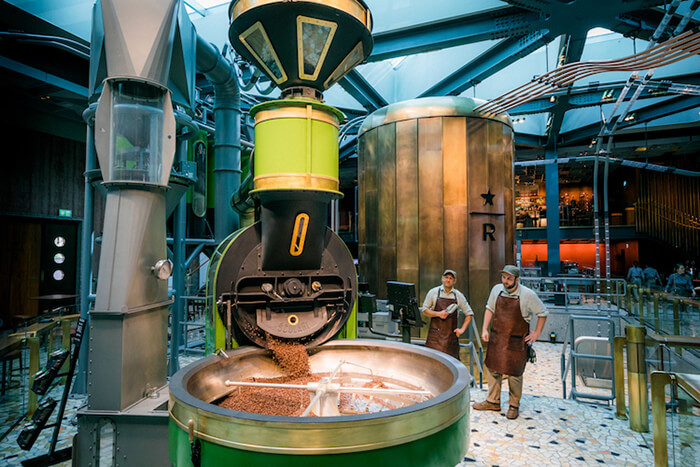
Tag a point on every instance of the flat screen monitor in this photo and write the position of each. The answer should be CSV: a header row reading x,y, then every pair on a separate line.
x,y
402,295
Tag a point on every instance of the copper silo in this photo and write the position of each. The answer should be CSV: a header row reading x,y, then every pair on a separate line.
x,y
435,191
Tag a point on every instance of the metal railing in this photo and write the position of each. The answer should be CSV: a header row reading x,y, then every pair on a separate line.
x,y
569,367
689,386
193,327
670,368
663,312
584,291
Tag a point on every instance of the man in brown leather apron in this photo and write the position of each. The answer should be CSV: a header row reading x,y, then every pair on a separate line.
x,y
442,305
509,310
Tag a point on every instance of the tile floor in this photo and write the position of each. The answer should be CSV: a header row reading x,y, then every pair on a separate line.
x,y
550,430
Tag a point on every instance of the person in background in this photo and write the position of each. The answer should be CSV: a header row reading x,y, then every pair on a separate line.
x,y
511,306
680,283
634,277
441,305
652,280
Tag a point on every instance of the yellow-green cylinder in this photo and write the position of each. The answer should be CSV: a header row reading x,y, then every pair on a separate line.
x,y
637,378
296,146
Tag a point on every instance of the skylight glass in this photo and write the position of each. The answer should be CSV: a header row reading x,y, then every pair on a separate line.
x,y
314,37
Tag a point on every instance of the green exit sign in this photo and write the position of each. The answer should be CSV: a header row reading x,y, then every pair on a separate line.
x,y
65,213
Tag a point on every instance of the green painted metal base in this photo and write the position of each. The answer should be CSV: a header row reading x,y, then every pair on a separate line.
x,y
445,448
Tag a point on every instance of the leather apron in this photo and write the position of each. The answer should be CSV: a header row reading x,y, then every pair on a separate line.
x,y
507,351
441,334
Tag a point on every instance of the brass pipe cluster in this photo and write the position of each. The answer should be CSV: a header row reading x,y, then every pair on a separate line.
x,y
675,49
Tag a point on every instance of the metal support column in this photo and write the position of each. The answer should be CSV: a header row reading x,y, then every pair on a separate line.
x,y
618,353
551,174
179,269
80,384
637,378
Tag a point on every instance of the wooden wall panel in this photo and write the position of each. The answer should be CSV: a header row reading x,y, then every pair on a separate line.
x,y
20,255
45,174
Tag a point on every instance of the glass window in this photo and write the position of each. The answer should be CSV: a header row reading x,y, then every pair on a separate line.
x,y
137,132
255,39
314,37
58,275
59,258
59,241
352,59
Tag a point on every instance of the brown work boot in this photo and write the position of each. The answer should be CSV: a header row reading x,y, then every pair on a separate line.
x,y
512,413
487,405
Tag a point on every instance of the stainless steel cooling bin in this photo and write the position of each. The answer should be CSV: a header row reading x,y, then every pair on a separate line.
x,y
432,432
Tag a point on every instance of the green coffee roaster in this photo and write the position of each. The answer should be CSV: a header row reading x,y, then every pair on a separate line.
x,y
289,277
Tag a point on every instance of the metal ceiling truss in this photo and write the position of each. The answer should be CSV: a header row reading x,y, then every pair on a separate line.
x,y
541,20
642,115
494,24
358,87
596,94
673,50
493,60
570,50
48,78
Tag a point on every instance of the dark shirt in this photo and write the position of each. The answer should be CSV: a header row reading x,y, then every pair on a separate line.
x,y
651,275
635,275
680,284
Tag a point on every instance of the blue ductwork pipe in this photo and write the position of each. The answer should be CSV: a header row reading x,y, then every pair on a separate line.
x,y
227,141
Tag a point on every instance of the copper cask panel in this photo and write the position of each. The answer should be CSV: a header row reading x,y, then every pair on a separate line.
x,y
430,198
361,199
477,184
498,185
369,262
455,197
508,196
407,234
386,202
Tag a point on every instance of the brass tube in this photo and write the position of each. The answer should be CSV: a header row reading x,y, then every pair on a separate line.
x,y
628,300
657,319
637,378
676,317
659,381
65,343
33,344
618,356
656,306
